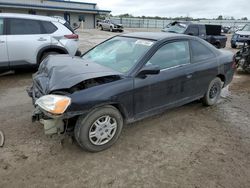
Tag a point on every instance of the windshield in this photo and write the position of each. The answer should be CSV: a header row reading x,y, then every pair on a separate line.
x,y
119,53
176,28
246,28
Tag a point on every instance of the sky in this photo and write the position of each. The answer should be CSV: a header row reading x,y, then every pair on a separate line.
x,y
174,8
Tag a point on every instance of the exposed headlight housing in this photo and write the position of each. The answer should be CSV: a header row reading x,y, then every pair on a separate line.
x,y
54,104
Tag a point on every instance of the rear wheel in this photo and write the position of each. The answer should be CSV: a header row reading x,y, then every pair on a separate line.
x,y
233,46
217,45
100,129
213,93
111,29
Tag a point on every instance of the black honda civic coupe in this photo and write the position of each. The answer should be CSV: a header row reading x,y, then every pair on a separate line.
x,y
125,79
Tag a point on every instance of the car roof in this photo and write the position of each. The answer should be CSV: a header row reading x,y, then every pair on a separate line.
x,y
156,35
29,16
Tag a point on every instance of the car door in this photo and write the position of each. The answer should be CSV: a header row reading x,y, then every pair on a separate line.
x,y
168,87
4,60
106,24
202,70
25,38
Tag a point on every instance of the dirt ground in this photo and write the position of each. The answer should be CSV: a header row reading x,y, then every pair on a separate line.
x,y
190,146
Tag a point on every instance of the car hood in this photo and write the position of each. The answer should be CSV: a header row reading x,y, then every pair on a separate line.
x,y
63,72
243,32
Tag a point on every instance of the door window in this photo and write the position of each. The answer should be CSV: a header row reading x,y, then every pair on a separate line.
x,y
200,51
194,31
171,55
24,27
1,26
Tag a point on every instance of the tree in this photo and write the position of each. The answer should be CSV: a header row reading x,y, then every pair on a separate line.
x,y
244,18
220,17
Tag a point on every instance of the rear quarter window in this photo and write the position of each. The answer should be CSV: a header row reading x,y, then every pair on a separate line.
x,y
66,24
200,52
49,27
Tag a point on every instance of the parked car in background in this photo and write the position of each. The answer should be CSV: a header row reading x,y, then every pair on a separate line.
x,y
234,29
240,36
225,29
110,26
242,57
210,33
125,79
25,40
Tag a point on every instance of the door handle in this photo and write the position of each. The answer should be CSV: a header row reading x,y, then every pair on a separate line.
x,y
42,39
189,76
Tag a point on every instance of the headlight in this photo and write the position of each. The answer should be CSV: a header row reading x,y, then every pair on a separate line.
x,y
235,36
55,104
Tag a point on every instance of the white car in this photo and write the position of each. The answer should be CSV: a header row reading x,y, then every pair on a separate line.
x,y
110,25
25,40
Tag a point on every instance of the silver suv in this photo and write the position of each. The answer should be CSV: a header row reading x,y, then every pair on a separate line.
x,y
110,25
28,39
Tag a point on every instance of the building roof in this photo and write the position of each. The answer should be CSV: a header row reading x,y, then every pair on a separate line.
x,y
59,6
29,16
74,2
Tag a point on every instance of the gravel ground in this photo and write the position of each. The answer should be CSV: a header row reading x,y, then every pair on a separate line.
x,y
190,146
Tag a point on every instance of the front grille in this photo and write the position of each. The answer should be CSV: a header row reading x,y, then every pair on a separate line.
x,y
245,36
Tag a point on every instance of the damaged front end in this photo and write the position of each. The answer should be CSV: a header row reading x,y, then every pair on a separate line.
x,y
57,78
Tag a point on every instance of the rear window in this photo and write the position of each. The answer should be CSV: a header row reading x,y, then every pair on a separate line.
x,y
49,27
24,27
66,24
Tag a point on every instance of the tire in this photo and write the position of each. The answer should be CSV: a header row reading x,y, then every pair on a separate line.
x,y
233,46
101,27
2,139
86,129
45,55
111,29
213,92
217,45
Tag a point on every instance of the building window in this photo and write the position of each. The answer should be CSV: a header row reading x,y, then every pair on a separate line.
x,y
32,12
81,18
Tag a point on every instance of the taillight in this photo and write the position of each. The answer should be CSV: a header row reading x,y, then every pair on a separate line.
x,y
234,62
72,36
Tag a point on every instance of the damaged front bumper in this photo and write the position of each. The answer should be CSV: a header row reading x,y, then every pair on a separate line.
x,y
52,124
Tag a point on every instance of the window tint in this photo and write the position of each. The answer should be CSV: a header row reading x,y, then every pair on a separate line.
x,y
24,27
194,31
66,24
49,27
1,26
200,51
171,55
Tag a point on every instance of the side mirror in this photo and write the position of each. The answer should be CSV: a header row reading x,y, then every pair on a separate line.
x,y
149,70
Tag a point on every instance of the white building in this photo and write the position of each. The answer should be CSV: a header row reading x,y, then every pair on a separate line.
x,y
71,11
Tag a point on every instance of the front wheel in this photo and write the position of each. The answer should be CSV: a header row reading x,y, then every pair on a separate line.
x,y
213,93
100,129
